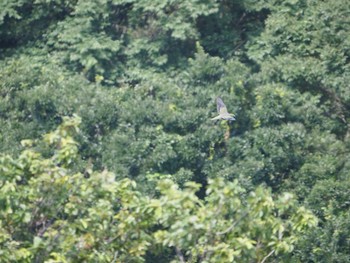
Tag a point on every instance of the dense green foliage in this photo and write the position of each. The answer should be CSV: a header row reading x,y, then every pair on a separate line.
x,y
51,213
146,176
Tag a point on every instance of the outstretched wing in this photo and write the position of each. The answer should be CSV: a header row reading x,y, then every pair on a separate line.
x,y
221,107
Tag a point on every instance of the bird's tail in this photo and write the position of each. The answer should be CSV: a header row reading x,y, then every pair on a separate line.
x,y
216,118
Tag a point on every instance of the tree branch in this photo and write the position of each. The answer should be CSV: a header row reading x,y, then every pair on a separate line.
x,y
180,255
268,255
233,225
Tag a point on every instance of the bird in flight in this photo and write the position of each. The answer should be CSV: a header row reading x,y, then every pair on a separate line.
x,y
222,110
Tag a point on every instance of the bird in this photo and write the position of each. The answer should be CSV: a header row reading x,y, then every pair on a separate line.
x,y
222,110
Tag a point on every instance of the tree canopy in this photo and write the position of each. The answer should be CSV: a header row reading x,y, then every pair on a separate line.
x,y
108,153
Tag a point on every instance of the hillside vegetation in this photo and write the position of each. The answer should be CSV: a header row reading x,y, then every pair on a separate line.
x,y
108,153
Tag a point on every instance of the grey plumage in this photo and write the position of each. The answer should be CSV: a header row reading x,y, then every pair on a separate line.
x,y
222,110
